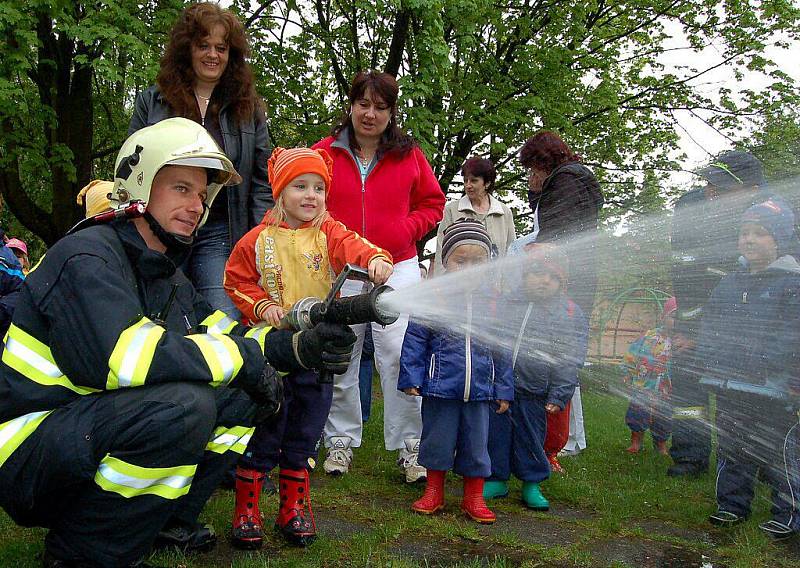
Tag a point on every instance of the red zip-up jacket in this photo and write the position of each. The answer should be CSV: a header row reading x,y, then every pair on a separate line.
x,y
399,202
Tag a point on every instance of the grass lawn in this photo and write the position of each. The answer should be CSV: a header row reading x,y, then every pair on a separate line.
x,y
610,509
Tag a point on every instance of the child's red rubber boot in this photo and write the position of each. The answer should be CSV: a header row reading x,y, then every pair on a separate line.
x,y
293,489
555,465
473,504
247,532
636,442
433,498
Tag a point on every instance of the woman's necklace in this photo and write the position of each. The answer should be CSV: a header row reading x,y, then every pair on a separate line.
x,y
363,158
202,103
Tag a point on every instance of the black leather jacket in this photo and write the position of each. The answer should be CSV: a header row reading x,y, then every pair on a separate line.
x,y
248,146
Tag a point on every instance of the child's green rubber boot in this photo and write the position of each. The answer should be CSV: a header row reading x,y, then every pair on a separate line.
x,y
494,489
533,498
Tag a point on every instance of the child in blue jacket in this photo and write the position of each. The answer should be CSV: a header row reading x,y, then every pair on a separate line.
x,y
749,350
461,382
546,356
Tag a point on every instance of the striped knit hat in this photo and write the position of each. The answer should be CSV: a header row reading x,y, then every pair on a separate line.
x,y
285,164
465,232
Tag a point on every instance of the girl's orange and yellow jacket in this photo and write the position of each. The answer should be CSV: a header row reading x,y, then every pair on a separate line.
x,y
279,265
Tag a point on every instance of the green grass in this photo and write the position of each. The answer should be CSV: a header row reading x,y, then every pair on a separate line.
x,y
610,509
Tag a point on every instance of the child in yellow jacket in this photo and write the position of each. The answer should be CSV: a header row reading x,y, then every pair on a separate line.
x,y
294,253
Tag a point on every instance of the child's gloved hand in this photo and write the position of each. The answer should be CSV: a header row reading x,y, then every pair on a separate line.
x,y
502,406
551,408
411,391
273,315
379,270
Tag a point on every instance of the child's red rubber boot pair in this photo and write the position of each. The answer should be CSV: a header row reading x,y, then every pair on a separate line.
x,y
247,532
295,504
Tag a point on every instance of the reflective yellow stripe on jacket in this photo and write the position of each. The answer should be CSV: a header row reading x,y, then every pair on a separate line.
x,y
133,354
219,322
34,360
14,432
259,333
234,439
221,355
130,480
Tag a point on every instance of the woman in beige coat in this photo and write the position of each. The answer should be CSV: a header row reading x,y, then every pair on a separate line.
x,y
478,203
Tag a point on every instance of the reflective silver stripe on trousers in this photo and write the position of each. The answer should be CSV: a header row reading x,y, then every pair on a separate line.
x,y
174,481
32,358
128,366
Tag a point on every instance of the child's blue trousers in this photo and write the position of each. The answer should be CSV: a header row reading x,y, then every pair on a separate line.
x,y
516,441
290,437
757,433
455,436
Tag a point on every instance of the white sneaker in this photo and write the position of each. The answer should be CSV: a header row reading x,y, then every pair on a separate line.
x,y
339,456
407,461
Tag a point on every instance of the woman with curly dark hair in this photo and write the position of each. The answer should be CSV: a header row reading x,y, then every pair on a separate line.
x,y
205,77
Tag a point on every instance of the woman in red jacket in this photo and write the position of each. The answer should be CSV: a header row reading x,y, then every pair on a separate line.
x,y
383,188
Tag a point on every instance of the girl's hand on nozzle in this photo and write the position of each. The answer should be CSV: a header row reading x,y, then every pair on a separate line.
x,y
551,408
411,391
502,406
379,270
273,315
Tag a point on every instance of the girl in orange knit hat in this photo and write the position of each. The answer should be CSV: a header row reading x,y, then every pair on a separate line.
x,y
294,253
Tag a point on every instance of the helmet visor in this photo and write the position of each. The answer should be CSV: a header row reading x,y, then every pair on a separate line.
x,y
225,174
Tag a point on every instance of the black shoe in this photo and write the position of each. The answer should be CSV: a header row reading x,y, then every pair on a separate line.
x,y
196,538
777,530
725,519
687,469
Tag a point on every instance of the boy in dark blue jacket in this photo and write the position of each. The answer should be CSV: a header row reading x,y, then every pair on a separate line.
x,y
749,350
546,355
460,381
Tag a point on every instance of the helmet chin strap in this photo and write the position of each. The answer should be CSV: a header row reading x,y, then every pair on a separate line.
x,y
174,243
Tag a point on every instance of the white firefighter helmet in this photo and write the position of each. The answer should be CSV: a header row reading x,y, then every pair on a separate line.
x,y
171,142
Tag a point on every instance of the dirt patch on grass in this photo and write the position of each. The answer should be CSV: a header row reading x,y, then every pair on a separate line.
x,y
430,552
533,530
653,526
643,553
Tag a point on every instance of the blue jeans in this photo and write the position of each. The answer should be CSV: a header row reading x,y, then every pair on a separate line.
x,y
205,267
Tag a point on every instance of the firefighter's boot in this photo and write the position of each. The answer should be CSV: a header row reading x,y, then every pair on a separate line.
x,y
295,506
247,532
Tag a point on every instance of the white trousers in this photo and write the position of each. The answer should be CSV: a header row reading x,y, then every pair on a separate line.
x,y
577,435
402,418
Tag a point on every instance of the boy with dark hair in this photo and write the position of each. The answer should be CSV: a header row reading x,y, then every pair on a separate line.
x,y
748,351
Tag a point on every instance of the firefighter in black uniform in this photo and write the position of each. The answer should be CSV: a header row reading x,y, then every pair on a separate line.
x,y
116,422
705,233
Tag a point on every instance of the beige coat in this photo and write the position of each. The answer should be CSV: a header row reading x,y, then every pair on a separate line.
x,y
499,223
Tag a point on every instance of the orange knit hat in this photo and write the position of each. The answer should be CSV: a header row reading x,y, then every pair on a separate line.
x,y
285,164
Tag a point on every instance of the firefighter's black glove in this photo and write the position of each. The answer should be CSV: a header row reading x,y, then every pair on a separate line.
x,y
327,347
266,392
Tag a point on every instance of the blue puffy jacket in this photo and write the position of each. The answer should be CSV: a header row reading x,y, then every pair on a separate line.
x,y
443,364
549,347
750,333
